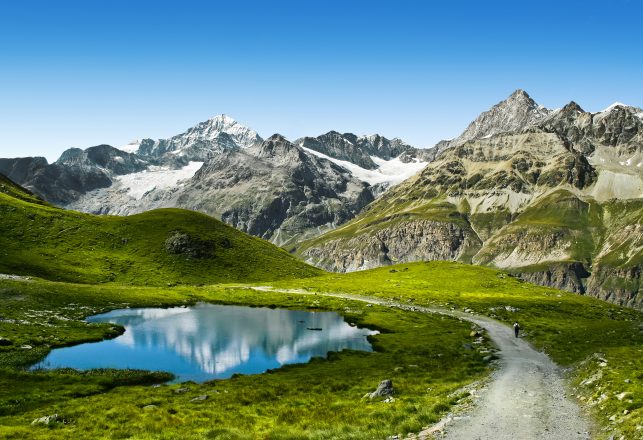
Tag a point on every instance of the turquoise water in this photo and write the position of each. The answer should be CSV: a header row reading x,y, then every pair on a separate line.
x,y
208,341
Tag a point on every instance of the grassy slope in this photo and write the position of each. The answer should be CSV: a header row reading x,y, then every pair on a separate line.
x,y
8,187
424,355
574,330
373,220
576,223
52,243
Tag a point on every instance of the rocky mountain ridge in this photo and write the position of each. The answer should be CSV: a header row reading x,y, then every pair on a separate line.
x,y
547,200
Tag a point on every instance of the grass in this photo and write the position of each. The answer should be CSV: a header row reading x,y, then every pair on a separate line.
x,y
574,330
424,355
51,243
600,344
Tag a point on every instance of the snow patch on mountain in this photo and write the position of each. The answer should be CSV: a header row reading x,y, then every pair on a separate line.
x,y
156,178
616,104
389,172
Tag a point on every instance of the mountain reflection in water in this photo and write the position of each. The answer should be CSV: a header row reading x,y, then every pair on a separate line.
x,y
210,341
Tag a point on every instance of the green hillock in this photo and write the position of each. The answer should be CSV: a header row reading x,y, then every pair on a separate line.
x,y
166,246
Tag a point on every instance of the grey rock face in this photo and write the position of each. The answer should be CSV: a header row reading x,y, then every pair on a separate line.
x,y
103,157
22,169
360,149
275,191
570,277
620,285
620,128
404,241
339,146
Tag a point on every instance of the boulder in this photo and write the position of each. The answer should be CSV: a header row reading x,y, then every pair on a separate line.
x,y
47,420
384,389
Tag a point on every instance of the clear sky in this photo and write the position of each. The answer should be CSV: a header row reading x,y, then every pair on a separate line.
x,y
82,73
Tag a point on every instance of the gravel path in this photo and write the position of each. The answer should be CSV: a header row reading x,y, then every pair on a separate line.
x,y
526,398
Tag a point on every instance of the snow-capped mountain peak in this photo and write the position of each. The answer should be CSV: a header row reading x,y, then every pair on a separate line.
x,y
201,142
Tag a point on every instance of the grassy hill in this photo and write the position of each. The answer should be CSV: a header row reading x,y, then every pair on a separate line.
x,y
166,246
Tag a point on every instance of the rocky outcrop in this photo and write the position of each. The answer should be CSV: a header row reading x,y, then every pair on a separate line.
x,y
571,277
620,285
180,243
403,241
276,191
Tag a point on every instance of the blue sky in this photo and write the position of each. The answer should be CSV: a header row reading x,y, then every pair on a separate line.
x,y
82,73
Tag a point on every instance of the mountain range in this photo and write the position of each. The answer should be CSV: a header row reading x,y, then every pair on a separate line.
x,y
273,188
552,196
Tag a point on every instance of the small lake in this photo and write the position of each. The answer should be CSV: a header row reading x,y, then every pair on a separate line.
x,y
208,341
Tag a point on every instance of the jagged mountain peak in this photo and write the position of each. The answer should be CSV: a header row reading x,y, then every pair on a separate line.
x,y
71,156
517,112
215,126
278,146
520,95
572,106
202,141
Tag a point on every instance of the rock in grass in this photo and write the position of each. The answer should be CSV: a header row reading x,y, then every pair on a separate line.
x,y
5,342
384,389
200,398
181,390
47,420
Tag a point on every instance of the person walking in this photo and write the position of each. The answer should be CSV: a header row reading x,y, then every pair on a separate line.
x,y
516,328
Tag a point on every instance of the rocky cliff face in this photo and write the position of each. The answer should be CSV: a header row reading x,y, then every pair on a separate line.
x,y
75,173
401,242
538,192
618,285
362,150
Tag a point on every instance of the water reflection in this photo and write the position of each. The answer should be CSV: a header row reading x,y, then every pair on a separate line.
x,y
212,341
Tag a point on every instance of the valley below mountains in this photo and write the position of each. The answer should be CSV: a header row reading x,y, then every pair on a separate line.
x,y
554,197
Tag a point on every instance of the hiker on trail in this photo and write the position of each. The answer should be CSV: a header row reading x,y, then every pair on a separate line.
x,y
516,328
